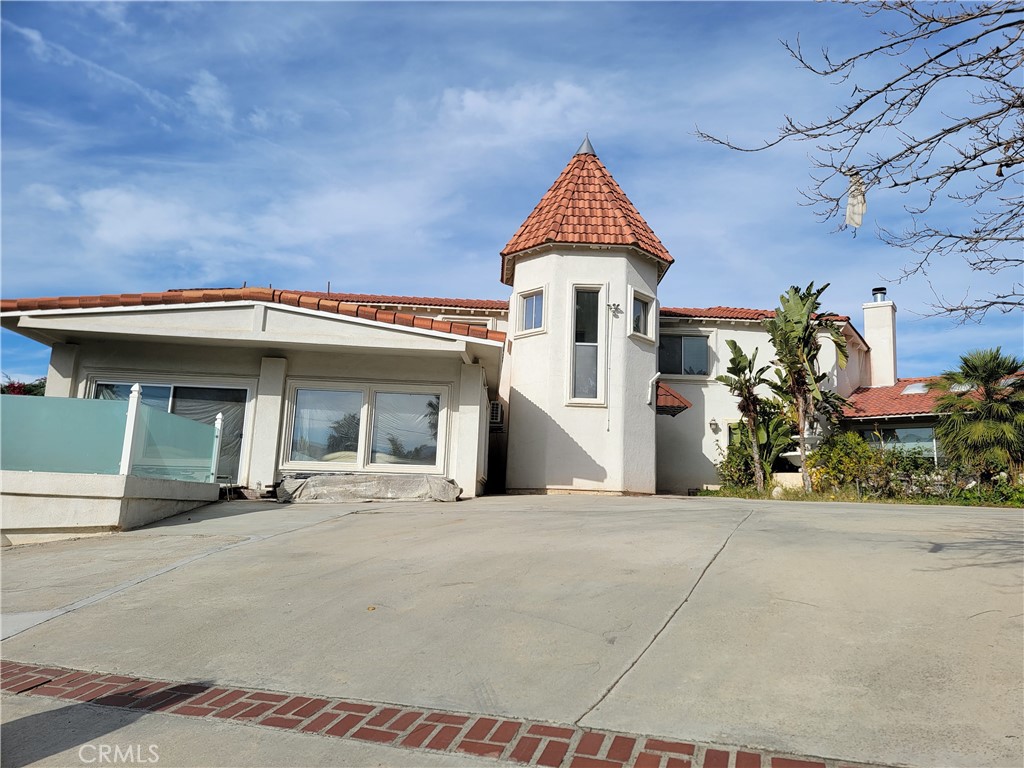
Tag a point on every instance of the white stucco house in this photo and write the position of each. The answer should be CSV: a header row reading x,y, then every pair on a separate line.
x,y
581,381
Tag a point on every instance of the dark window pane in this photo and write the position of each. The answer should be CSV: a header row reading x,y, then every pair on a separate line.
x,y
640,308
695,355
670,354
586,316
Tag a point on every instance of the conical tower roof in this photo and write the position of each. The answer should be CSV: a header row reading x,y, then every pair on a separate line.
x,y
585,206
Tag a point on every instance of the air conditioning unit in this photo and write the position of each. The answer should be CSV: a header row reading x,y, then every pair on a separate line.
x,y
497,413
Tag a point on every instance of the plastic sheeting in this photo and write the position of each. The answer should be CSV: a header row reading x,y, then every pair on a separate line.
x,y
368,487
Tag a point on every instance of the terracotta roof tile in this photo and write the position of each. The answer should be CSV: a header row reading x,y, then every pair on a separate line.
x,y
585,205
868,402
670,402
341,304
729,313
421,301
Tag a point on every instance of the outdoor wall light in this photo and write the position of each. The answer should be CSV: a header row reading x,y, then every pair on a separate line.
x,y
713,424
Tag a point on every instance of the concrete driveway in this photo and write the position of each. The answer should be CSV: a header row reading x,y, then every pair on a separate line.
x,y
874,634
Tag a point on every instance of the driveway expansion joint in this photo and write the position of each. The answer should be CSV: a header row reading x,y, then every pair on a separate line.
x,y
497,737
664,626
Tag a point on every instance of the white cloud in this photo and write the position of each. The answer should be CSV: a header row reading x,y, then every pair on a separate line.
x,y
516,115
125,219
47,197
48,51
211,98
114,13
262,119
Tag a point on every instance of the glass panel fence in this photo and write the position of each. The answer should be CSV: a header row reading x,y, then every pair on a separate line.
x,y
172,447
58,434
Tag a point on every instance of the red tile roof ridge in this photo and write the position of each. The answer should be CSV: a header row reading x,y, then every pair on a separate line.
x,y
735,313
373,298
270,295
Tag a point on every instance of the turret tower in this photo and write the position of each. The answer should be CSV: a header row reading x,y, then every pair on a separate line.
x,y
584,270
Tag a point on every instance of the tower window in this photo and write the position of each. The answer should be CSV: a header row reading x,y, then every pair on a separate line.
x,y
641,311
531,309
585,327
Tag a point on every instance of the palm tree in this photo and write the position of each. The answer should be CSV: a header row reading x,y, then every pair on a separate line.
x,y
981,407
795,331
743,379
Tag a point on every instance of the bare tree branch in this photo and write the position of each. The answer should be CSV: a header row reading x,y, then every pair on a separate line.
x,y
975,157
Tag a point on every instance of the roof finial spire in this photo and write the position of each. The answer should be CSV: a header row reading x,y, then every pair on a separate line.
x,y
586,148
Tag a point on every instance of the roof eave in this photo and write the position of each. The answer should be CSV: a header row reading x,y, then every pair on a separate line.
x,y
508,259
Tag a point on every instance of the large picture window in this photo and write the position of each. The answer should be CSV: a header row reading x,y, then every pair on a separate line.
x,y
365,426
585,347
683,355
326,425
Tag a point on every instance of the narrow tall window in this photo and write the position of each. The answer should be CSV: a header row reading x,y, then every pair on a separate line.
x,y
584,382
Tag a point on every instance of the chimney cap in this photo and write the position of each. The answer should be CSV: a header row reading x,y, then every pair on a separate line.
x,y
878,294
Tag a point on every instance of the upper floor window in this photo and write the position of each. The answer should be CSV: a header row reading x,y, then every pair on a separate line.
x,y
531,311
585,329
641,316
683,355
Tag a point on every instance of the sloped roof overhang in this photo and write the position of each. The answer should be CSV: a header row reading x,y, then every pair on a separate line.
x,y
253,324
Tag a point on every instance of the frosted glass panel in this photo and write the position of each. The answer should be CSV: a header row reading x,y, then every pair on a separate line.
x,y
172,447
405,428
202,404
61,434
326,425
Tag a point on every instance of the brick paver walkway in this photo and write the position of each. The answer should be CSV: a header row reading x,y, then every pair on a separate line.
x,y
495,737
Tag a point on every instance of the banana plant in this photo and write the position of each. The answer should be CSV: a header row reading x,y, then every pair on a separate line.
x,y
743,377
795,333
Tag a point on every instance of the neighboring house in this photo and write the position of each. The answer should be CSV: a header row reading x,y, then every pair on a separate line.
x,y
900,415
582,382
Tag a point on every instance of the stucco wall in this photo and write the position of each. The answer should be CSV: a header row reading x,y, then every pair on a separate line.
x,y
223,365
552,443
688,447
42,506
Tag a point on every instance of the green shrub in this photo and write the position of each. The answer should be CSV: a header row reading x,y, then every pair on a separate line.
x,y
736,467
846,462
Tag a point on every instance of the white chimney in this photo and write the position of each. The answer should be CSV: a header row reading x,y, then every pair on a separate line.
x,y
880,334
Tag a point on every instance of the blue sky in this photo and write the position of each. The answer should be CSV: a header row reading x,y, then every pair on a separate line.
x,y
395,148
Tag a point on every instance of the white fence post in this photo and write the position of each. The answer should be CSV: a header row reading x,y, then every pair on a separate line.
x,y
218,425
128,446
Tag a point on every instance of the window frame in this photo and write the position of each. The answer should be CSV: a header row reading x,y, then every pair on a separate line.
x,y
369,389
651,334
708,338
521,300
601,289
